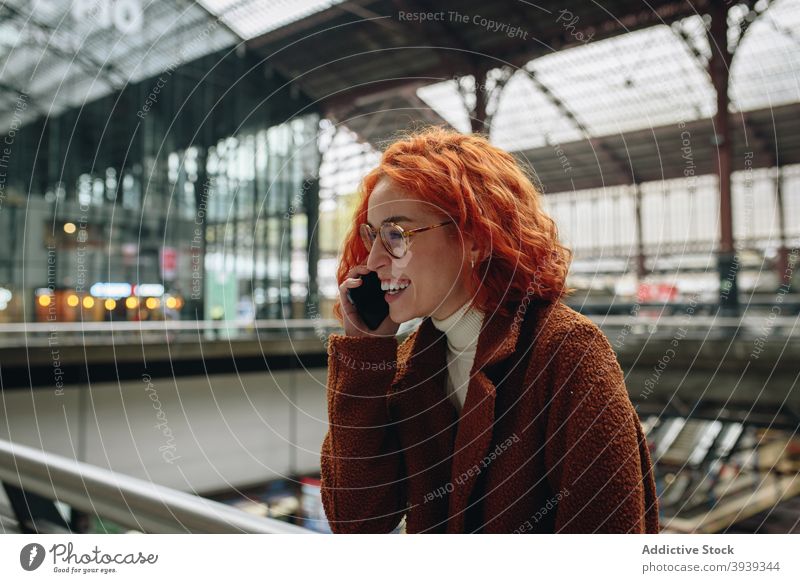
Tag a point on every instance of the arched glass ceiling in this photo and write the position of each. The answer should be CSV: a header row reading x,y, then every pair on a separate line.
x,y
63,53
766,72
250,18
643,79
648,78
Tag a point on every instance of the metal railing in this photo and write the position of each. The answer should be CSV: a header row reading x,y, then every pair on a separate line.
x,y
124,332
702,326
127,501
647,323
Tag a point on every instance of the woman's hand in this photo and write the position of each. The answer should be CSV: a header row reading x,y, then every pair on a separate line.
x,y
353,324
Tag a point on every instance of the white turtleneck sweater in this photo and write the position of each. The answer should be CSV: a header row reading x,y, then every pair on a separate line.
x,y
462,328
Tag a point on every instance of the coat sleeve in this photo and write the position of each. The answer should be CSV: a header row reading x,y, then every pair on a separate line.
x,y
596,452
362,466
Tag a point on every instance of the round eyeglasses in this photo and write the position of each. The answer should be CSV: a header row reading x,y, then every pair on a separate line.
x,y
395,239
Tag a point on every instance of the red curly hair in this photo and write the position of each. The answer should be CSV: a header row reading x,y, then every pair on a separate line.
x,y
486,193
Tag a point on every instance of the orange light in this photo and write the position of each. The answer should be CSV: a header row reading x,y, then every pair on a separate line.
x,y
171,303
44,300
152,303
180,303
69,228
110,304
73,301
131,303
88,302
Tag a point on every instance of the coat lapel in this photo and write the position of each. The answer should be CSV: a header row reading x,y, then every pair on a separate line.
x,y
496,342
420,390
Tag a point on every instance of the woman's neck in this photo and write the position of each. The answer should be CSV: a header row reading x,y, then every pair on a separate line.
x,y
462,327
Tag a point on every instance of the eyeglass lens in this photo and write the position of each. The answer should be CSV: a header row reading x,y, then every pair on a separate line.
x,y
392,236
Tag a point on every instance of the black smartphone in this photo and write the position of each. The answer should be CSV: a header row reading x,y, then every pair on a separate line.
x,y
369,300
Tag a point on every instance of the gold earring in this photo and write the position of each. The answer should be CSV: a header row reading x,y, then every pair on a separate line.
x,y
472,262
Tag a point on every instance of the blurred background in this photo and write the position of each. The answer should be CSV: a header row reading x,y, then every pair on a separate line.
x,y
176,179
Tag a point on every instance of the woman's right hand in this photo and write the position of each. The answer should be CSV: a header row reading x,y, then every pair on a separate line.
x,y
353,324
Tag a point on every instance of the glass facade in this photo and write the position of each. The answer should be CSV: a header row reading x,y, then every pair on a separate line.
x,y
176,210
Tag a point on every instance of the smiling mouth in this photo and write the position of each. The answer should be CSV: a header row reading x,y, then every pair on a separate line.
x,y
397,292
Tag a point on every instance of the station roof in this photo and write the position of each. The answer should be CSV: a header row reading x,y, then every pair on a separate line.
x,y
762,138
613,105
368,61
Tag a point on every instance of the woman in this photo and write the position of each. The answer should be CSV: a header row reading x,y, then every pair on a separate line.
x,y
505,410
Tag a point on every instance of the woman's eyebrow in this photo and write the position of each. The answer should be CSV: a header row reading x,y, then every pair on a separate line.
x,y
394,219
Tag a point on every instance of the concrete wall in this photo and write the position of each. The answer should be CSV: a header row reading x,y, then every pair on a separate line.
x,y
195,434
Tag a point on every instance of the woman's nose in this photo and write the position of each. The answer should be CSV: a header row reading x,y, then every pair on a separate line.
x,y
378,256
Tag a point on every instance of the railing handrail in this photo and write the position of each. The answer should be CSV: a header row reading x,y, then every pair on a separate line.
x,y
313,324
695,321
128,501
168,325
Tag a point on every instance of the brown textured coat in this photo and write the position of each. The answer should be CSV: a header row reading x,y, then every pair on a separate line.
x,y
565,452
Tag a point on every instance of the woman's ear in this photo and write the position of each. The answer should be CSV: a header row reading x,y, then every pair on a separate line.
x,y
476,252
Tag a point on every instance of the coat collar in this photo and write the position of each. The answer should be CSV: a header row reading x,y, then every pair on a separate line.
x,y
422,381
496,342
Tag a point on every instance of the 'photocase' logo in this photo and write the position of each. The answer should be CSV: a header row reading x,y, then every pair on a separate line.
x,y
31,556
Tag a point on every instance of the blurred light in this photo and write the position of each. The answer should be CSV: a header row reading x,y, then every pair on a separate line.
x,y
171,303
148,289
69,228
88,302
73,301
6,295
152,303
44,301
113,290
131,303
180,303
110,304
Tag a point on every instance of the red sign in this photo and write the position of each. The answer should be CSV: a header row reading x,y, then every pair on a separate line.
x,y
169,262
660,292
